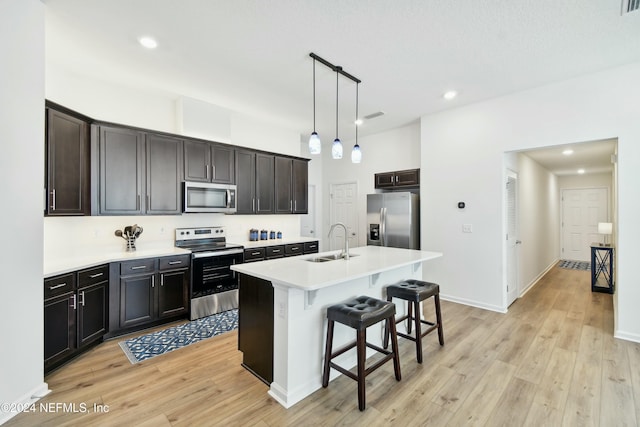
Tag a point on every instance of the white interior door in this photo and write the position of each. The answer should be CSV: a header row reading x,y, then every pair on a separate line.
x,y
582,210
308,222
512,242
344,209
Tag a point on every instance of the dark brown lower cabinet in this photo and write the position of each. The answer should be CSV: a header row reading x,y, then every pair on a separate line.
x,y
255,326
148,292
75,313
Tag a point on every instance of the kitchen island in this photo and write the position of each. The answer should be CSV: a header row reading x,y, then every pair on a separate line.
x,y
295,293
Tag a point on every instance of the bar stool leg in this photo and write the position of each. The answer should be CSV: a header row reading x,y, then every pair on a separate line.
x,y
327,353
391,323
439,319
416,310
362,357
409,318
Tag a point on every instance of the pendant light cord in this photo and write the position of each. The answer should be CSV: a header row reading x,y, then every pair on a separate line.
x,y
337,75
357,84
314,94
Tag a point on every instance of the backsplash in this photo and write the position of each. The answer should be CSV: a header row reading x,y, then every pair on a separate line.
x,y
76,236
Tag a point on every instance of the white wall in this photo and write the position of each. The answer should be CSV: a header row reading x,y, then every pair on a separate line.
x,y
21,131
462,159
396,149
539,220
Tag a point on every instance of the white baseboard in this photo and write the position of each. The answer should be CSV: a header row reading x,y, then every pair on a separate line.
x,y
473,303
25,401
627,336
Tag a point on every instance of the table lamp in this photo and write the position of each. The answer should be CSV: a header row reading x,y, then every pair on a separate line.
x,y
605,228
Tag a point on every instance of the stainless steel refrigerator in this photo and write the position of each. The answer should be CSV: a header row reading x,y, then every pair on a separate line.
x,y
393,219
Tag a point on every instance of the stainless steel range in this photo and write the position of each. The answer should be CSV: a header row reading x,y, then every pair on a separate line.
x,y
214,286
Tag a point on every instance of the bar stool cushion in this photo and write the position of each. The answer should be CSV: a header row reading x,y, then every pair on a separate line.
x,y
413,290
361,312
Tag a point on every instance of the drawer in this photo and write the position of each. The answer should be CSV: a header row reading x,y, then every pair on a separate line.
x,y
147,265
174,262
311,247
93,275
255,254
59,285
275,251
294,249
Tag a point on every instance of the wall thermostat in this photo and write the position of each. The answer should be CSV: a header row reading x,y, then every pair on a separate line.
x,y
461,205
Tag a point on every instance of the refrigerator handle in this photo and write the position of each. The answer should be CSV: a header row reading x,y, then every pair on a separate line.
x,y
383,227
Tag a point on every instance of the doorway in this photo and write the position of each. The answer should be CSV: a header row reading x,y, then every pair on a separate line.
x,y
343,208
512,242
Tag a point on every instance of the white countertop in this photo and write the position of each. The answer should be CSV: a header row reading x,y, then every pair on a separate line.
x,y
61,263
296,272
248,244
54,265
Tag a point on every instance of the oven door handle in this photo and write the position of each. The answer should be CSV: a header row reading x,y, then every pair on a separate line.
x,y
210,254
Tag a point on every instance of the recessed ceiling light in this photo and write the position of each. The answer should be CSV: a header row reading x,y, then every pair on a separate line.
x,y
450,94
148,42
358,122
580,171
567,152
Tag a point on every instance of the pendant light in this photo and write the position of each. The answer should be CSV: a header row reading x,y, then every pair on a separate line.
x,y
356,154
315,147
336,148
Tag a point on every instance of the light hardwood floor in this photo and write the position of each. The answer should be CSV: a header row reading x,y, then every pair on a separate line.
x,y
550,361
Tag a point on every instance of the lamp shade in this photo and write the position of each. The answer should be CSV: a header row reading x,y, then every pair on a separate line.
x,y
356,154
336,149
605,228
315,147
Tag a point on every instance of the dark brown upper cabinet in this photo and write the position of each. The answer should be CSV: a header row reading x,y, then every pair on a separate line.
x,y
68,164
398,179
265,185
139,173
209,162
291,185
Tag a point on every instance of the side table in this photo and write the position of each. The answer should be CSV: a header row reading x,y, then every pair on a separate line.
x,y
602,268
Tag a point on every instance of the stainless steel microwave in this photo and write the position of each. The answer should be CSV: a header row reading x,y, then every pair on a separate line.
x,y
205,197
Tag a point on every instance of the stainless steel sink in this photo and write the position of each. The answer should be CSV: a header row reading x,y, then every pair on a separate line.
x,y
325,258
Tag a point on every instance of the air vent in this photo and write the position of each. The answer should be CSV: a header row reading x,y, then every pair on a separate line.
x,y
380,113
630,6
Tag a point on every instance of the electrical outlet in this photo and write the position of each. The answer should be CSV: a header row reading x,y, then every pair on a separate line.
x,y
467,228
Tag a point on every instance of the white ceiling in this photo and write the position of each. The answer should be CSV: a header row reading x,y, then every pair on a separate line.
x,y
592,157
253,55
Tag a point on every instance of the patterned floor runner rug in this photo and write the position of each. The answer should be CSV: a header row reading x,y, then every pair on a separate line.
x,y
575,265
154,344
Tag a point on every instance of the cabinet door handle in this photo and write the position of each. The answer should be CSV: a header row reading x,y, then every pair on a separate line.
x,y
82,296
255,253
162,280
153,281
207,171
275,251
258,204
57,286
175,262
213,172
138,267
53,199
291,205
73,304
295,205
253,205
93,276
295,248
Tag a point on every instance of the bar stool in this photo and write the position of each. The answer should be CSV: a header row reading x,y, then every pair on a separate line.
x,y
359,314
415,291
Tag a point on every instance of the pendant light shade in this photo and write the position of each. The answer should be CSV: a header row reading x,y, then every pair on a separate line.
x,y
315,147
336,148
356,154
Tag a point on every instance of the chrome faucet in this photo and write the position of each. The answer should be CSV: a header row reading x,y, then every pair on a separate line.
x,y
345,250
